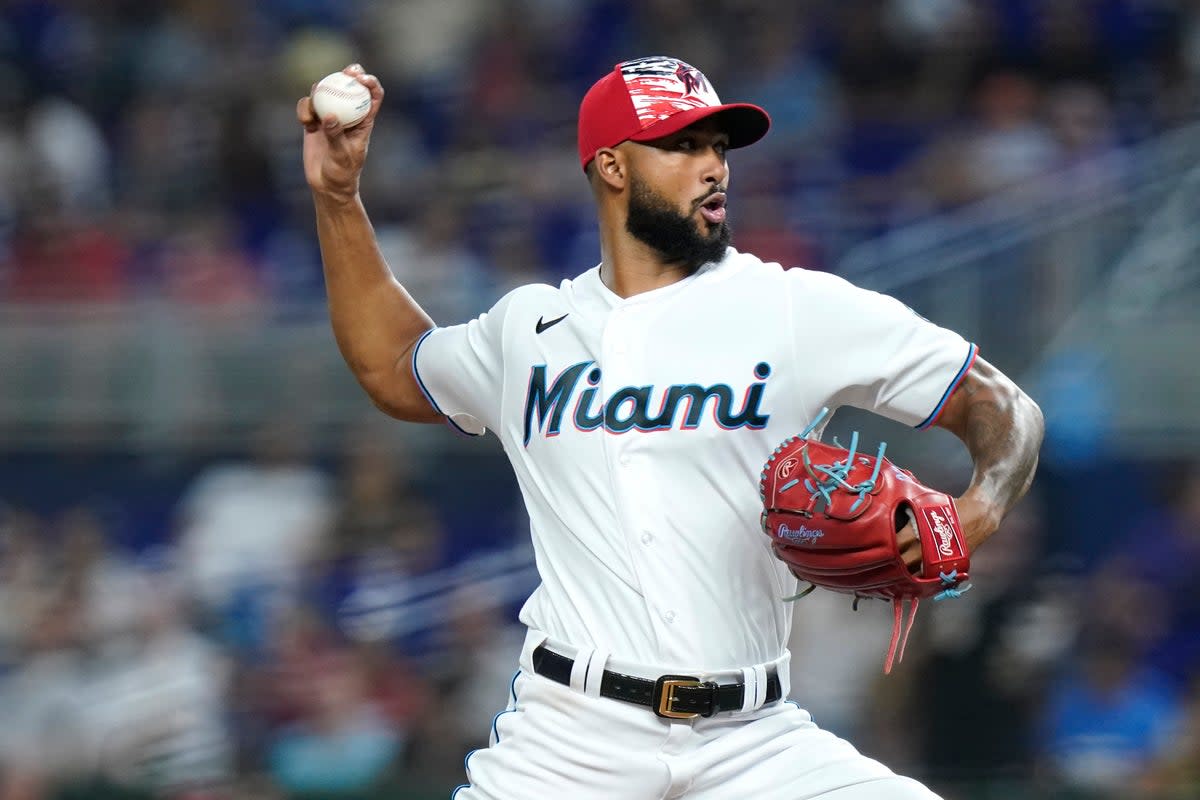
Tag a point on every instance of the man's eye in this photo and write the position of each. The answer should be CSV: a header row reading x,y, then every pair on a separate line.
x,y
686,144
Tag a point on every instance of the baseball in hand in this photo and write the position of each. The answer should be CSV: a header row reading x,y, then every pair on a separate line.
x,y
343,96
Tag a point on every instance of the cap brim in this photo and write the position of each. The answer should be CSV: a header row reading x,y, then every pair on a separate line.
x,y
745,123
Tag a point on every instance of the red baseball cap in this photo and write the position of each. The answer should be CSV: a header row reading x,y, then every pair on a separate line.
x,y
648,98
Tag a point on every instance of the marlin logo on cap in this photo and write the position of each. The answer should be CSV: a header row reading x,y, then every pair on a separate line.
x,y
693,80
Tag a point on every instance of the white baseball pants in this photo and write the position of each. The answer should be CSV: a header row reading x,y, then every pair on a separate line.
x,y
555,741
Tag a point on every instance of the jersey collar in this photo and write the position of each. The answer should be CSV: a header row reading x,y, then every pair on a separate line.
x,y
591,283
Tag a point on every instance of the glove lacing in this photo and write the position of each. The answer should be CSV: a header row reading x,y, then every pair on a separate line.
x,y
837,472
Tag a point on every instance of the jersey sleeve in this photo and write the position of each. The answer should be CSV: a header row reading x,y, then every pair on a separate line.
x,y
884,357
460,369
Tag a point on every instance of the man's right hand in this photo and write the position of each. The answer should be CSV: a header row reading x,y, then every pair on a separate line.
x,y
333,155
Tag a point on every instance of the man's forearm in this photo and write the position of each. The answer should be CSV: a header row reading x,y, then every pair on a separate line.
x,y
1004,436
1002,429
375,321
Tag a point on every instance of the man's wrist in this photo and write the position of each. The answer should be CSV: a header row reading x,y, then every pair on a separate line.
x,y
335,201
979,515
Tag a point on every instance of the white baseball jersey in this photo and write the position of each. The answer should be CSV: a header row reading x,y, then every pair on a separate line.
x,y
637,428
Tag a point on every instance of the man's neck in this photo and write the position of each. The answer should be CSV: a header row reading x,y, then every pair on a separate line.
x,y
629,267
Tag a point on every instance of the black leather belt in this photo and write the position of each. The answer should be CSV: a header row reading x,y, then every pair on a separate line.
x,y
671,696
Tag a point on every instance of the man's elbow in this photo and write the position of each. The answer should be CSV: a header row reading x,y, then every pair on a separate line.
x,y
408,412
1036,431
399,398
1031,413
1024,411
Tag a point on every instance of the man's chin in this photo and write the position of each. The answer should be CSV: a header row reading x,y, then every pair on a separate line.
x,y
714,242
708,232
716,235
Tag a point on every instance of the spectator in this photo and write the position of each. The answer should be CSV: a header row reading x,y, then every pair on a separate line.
x,y
998,648
382,592
1171,561
342,741
161,701
201,265
59,257
49,736
1009,143
1177,771
112,590
24,582
251,526
1110,716
473,677
71,155
1080,118
430,257
375,476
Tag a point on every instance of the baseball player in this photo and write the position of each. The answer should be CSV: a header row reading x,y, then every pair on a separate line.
x,y
637,404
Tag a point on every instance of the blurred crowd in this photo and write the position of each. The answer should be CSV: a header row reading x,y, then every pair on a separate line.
x,y
271,623
269,619
149,148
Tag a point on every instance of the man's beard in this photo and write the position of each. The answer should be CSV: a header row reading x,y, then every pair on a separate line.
x,y
654,221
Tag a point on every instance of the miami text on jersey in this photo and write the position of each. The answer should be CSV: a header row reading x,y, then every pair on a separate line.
x,y
628,408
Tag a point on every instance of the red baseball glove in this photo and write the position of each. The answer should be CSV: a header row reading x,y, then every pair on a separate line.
x,y
834,515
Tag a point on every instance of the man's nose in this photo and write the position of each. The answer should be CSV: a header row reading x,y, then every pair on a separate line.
x,y
715,167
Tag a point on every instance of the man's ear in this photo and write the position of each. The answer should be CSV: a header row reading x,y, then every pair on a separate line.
x,y
611,167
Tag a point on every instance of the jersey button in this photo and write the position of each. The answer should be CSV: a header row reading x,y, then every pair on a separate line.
x,y
625,459
647,537
669,616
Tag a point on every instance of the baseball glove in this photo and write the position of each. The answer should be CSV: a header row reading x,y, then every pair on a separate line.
x,y
833,515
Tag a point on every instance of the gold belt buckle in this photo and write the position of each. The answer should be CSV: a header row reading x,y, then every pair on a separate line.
x,y
665,690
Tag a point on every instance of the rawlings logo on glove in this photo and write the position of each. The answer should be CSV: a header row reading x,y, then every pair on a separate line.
x,y
834,515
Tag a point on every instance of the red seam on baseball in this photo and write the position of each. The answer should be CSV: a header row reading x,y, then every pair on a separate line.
x,y
337,92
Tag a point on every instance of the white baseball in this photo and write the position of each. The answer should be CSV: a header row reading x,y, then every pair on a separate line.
x,y
343,96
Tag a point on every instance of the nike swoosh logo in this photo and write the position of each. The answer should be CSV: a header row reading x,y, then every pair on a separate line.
x,y
541,326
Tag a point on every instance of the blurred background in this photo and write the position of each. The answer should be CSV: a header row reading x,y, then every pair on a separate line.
x,y
224,575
